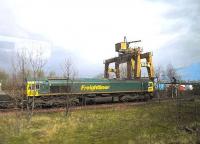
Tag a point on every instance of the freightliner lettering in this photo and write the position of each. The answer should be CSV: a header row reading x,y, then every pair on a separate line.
x,y
94,87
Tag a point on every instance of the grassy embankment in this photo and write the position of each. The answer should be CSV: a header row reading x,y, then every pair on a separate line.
x,y
153,123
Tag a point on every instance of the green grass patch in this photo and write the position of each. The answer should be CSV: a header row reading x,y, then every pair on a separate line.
x,y
143,124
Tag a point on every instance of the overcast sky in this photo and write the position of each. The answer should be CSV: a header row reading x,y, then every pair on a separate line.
x,y
87,30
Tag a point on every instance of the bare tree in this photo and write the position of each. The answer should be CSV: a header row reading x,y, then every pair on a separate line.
x,y
40,74
52,74
68,73
12,87
16,84
171,72
4,76
37,63
23,72
173,76
159,73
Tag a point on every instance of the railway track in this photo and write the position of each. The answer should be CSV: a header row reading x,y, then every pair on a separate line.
x,y
98,106
73,108
82,107
90,106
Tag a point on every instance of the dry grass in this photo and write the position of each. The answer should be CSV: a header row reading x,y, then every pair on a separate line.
x,y
153,123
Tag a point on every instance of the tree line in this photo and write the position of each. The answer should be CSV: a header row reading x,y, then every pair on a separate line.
x,y
30,63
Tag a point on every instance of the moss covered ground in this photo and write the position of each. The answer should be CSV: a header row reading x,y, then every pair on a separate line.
x,y
142,124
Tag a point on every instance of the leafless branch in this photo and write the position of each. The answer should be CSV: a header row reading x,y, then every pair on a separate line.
x,y
69,73
37,63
